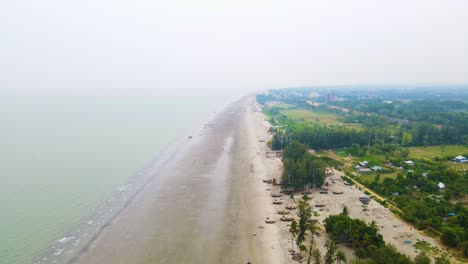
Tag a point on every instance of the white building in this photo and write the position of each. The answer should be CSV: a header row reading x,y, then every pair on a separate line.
x,y
460,159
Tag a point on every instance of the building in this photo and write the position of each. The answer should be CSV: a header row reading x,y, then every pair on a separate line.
x,y
331,98
364,163
441,186
364,170
376,168
460,159
409,162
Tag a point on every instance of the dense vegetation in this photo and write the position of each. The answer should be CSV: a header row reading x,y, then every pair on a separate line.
x,y
369,246
301,169
390,121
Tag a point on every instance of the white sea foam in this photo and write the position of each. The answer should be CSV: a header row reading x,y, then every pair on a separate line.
x,y
64,240
58,251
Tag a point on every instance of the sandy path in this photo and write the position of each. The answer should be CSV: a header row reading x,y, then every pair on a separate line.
x,y
205,204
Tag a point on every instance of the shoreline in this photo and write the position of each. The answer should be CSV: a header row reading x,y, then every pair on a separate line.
x,y
202,205
72,243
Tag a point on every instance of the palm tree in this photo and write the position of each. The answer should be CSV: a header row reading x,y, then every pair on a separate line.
x,y
313,227
317,256
293,229
340,257
331,251
345,211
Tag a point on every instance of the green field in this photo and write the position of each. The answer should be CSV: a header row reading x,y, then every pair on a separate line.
x,y
383,176
320,117
280,105
323,118
437,151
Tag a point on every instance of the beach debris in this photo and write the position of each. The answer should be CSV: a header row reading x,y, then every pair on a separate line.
x,y
291,206
277,201
254,234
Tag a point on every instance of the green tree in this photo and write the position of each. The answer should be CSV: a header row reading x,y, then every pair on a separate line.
x,y
313,227
340,257
422,258
331,252
443,259
317,256
293,229
345,211
305,212
294,151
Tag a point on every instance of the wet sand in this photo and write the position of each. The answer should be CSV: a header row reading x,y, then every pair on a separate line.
x,y
207,204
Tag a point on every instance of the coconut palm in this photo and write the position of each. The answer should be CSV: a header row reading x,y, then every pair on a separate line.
x,y
317,256
340,257
293,229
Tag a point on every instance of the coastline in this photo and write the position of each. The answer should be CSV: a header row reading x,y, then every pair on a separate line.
x,y
77,239
203,204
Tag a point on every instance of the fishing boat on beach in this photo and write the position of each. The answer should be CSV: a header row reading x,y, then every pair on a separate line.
x,y
287,218
277,201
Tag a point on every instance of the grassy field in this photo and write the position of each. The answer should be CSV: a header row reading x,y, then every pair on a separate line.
x,y
383,176
323,118
437,151
280,105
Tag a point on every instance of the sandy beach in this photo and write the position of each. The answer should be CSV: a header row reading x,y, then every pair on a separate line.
x,y
394,231
207,204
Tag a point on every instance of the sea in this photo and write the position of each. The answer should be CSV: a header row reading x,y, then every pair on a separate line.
x,y
69,163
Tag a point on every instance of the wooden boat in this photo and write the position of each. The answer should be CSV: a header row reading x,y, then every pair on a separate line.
x,y
276,195
287,218
336,192
269,221
291,206
307,192
268,180
283,212
324,192
320,205
277,202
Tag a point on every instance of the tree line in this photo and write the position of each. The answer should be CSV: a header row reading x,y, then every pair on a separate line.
x,y
368,244
301,169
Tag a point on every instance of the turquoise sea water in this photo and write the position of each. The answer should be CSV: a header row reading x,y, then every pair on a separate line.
x,y
61,157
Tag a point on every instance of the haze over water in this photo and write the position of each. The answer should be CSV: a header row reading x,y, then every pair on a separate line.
x,y
62,156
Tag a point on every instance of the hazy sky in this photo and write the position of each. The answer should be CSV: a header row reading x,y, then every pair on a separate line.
x,y
177,45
